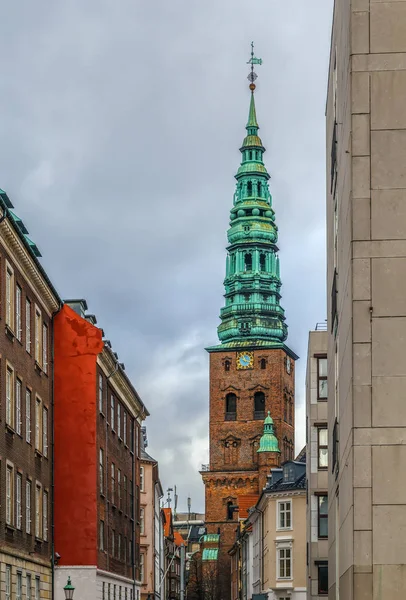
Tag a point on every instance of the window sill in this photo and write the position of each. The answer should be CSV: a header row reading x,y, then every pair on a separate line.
x,y
284,528
10,528
102,495
322,399
37,367
102,414
9,333
322,468
38,454
10,429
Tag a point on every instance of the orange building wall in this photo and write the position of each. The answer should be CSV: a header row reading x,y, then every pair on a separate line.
x,y
76,346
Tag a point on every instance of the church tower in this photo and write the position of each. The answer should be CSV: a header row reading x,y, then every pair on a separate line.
x,y
252,369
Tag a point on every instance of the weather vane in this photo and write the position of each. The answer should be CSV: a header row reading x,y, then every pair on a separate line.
x,y
253,61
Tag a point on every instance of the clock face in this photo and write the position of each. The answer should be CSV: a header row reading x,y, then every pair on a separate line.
x,y
245,360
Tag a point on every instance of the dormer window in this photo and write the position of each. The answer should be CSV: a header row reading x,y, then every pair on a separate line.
x,y
289,473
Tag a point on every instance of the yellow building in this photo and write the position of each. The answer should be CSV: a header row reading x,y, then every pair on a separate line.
x,y
272,546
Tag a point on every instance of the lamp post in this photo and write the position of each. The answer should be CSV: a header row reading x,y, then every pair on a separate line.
x,y
69,589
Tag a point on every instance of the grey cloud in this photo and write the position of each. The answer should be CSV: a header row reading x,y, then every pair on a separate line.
x,y
121,123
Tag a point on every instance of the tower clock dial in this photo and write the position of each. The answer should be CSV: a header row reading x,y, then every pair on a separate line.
x,y
245,360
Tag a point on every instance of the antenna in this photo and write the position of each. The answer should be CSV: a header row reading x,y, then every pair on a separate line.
x,y
176,502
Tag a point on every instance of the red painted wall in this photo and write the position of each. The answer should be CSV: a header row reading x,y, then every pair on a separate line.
x,y
76,346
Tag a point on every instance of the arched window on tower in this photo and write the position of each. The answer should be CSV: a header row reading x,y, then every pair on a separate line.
x,y
230,511
248,262
259,405
285,412
231,407
233,264
249,188
263,363
262,262
291,412
227,365
250,154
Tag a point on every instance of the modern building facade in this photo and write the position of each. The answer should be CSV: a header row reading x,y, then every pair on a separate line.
x,y
317,465
366,262
98,416
252,369
27,304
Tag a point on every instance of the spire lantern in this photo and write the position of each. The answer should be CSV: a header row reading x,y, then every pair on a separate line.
x,y
268,442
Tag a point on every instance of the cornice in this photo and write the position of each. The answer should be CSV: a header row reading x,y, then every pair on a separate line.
x,y
26,265
121,385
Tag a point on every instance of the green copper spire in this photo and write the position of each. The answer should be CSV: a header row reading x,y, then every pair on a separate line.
x,y
268,442
252,315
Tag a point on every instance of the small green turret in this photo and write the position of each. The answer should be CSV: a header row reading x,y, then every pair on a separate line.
x,y
268,442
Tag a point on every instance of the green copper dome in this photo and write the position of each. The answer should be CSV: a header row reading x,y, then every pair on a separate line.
x,y
268,442
252,314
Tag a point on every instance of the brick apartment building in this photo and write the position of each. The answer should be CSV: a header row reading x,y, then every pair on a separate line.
x,y
98,416
27,303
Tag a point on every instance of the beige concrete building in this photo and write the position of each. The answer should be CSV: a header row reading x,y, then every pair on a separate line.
x,y
317,464
366,241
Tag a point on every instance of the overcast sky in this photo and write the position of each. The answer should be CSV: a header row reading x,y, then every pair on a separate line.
x,y
120,123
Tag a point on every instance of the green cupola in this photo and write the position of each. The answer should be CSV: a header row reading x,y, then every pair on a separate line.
x,y
268,441
252,315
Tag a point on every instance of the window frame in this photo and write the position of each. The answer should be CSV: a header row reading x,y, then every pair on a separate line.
x,y
101,535
101,471
28,503
8,582
142,476
321,516
28,586
28,325
10,395
112,412
10,493
28,398
37,588
118,420
38,510
19,500
45,431
283,511
45,512
101,393
18,314
112,482
44,347
142,520
18,412
284,548
321,378
320,447
37,335
10,297
321,565
38,424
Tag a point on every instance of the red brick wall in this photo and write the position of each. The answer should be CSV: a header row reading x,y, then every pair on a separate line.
x,y
234,470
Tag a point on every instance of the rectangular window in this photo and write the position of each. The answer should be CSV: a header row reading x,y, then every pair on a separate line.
x,y
45,516
125,494
323,579
322,515
113,543
101,535
101,470
18,419
112,412
113,483
44,348
119,419
10,396
28,584
19,586
322,435
37,588
120,499
9,495
19,485
18,313
38,415
119,547
131,499
28,416
45,432
124,427
142,521
28,325
28,506
285,514
142,479
284,563
38,330
10,297
38,507
141,568
8,582
322,378
101,393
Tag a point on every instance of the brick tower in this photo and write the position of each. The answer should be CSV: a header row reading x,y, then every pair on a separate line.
x,y
251,370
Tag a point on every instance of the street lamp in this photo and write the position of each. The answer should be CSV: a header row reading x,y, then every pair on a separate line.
x,y
69,589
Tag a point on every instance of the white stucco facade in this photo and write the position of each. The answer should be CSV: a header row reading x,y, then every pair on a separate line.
x,y
91,583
